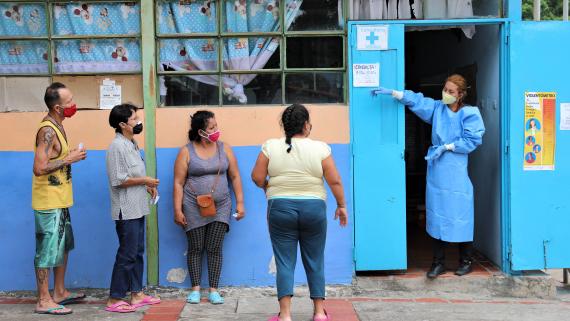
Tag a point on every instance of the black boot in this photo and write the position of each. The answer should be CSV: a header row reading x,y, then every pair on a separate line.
x,y
437,268
465,267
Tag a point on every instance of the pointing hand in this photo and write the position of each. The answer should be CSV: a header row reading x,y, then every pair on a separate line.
x,y
381,91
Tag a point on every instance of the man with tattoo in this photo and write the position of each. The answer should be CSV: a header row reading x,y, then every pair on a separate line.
x,y
52,196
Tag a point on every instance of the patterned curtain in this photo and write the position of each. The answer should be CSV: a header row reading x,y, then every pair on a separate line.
x,y
23,56
240,53
85,55
93,55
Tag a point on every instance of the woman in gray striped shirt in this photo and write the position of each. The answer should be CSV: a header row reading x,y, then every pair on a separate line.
x,y
129,188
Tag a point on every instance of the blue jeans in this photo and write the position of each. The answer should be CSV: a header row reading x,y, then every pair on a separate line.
x,y
129,262
303,222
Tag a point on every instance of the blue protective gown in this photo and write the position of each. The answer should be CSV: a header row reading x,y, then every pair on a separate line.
x,y
449,192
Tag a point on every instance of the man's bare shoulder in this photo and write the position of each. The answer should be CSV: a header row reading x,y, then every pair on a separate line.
x,y
48,139
45,134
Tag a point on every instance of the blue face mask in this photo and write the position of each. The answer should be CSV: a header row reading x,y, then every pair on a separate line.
x,y
447,98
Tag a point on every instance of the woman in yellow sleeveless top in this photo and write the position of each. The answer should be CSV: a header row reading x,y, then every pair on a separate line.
x,y
292,170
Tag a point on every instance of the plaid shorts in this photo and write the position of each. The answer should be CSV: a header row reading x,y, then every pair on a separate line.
x,y
54,237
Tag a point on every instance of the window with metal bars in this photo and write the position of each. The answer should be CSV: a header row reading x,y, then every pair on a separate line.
x,y
44,41
254,52
235,52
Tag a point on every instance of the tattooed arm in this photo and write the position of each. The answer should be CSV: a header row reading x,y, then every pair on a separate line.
x,y
45,142
44,146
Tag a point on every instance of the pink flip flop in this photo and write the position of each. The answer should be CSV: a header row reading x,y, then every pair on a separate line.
x,y
274,318
326,318
147,300
116,307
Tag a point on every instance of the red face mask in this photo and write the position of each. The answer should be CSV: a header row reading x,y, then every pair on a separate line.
x,y
69,111
213,137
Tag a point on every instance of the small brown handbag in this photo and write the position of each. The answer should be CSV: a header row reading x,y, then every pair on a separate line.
x,y
206,205
205,202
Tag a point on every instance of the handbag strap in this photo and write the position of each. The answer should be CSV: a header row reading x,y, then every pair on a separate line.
x,y
219,168
217,179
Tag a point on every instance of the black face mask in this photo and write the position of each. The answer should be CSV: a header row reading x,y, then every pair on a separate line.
x,y
137,129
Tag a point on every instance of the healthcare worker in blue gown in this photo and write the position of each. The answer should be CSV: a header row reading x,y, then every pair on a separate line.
x,y
457,129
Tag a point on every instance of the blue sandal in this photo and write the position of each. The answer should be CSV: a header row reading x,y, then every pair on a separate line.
x,y
215,298
193,297
58,310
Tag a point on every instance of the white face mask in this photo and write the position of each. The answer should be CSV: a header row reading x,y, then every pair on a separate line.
x,y
447,98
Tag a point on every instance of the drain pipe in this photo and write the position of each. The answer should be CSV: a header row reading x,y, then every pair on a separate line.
x,y
536,10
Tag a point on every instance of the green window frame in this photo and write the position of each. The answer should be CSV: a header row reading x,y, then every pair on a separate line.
x,y
283,36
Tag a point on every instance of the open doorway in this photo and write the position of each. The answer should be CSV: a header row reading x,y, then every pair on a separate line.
x,y
430,56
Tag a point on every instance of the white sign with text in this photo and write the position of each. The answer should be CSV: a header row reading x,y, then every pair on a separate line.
x,y
366,75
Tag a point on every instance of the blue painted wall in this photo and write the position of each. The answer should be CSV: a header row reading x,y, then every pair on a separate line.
x,y
91,262
247,248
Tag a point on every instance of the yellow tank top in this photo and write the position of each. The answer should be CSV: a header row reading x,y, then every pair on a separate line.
x,y
54,189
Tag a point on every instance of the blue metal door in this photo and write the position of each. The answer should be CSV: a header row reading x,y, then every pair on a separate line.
x,y
539,200
377,140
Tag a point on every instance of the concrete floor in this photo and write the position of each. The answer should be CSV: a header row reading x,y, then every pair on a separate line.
x,y
413,311
363,309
